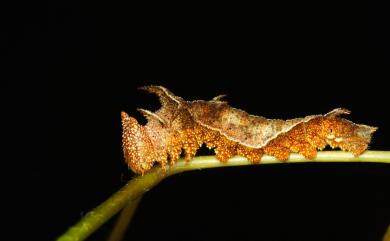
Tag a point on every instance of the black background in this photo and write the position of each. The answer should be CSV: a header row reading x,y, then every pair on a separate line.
x,y
70,68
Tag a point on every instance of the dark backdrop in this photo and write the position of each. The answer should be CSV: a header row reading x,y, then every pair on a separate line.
x,y
71,67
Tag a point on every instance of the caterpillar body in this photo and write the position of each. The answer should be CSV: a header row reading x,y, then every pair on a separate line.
x,y
186,125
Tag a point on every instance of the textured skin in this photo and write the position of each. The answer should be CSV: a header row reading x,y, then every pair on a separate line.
x,y
186,125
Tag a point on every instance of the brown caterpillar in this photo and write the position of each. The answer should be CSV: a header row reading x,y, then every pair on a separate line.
x,y
186,125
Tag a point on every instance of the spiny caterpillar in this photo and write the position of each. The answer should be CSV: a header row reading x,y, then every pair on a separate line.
x,y
187,125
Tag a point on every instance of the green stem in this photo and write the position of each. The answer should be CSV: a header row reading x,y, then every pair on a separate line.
x,y
138,185
123,220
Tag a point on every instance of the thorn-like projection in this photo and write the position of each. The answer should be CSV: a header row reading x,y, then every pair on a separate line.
x,y
150,116
218,97
164,94
338,111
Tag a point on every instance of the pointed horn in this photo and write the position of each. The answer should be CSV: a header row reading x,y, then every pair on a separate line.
x,y
218,97
151,116
164,94
338,111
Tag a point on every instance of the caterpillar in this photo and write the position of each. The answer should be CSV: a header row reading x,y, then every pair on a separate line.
x,y
186,125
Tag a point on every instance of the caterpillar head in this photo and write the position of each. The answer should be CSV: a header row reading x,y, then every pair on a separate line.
x,y
339,132
138,148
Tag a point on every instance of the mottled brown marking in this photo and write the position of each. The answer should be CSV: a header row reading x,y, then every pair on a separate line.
x,y
181,125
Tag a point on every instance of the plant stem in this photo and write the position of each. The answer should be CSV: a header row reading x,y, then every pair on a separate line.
x,y
98,216
140,184
123,220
